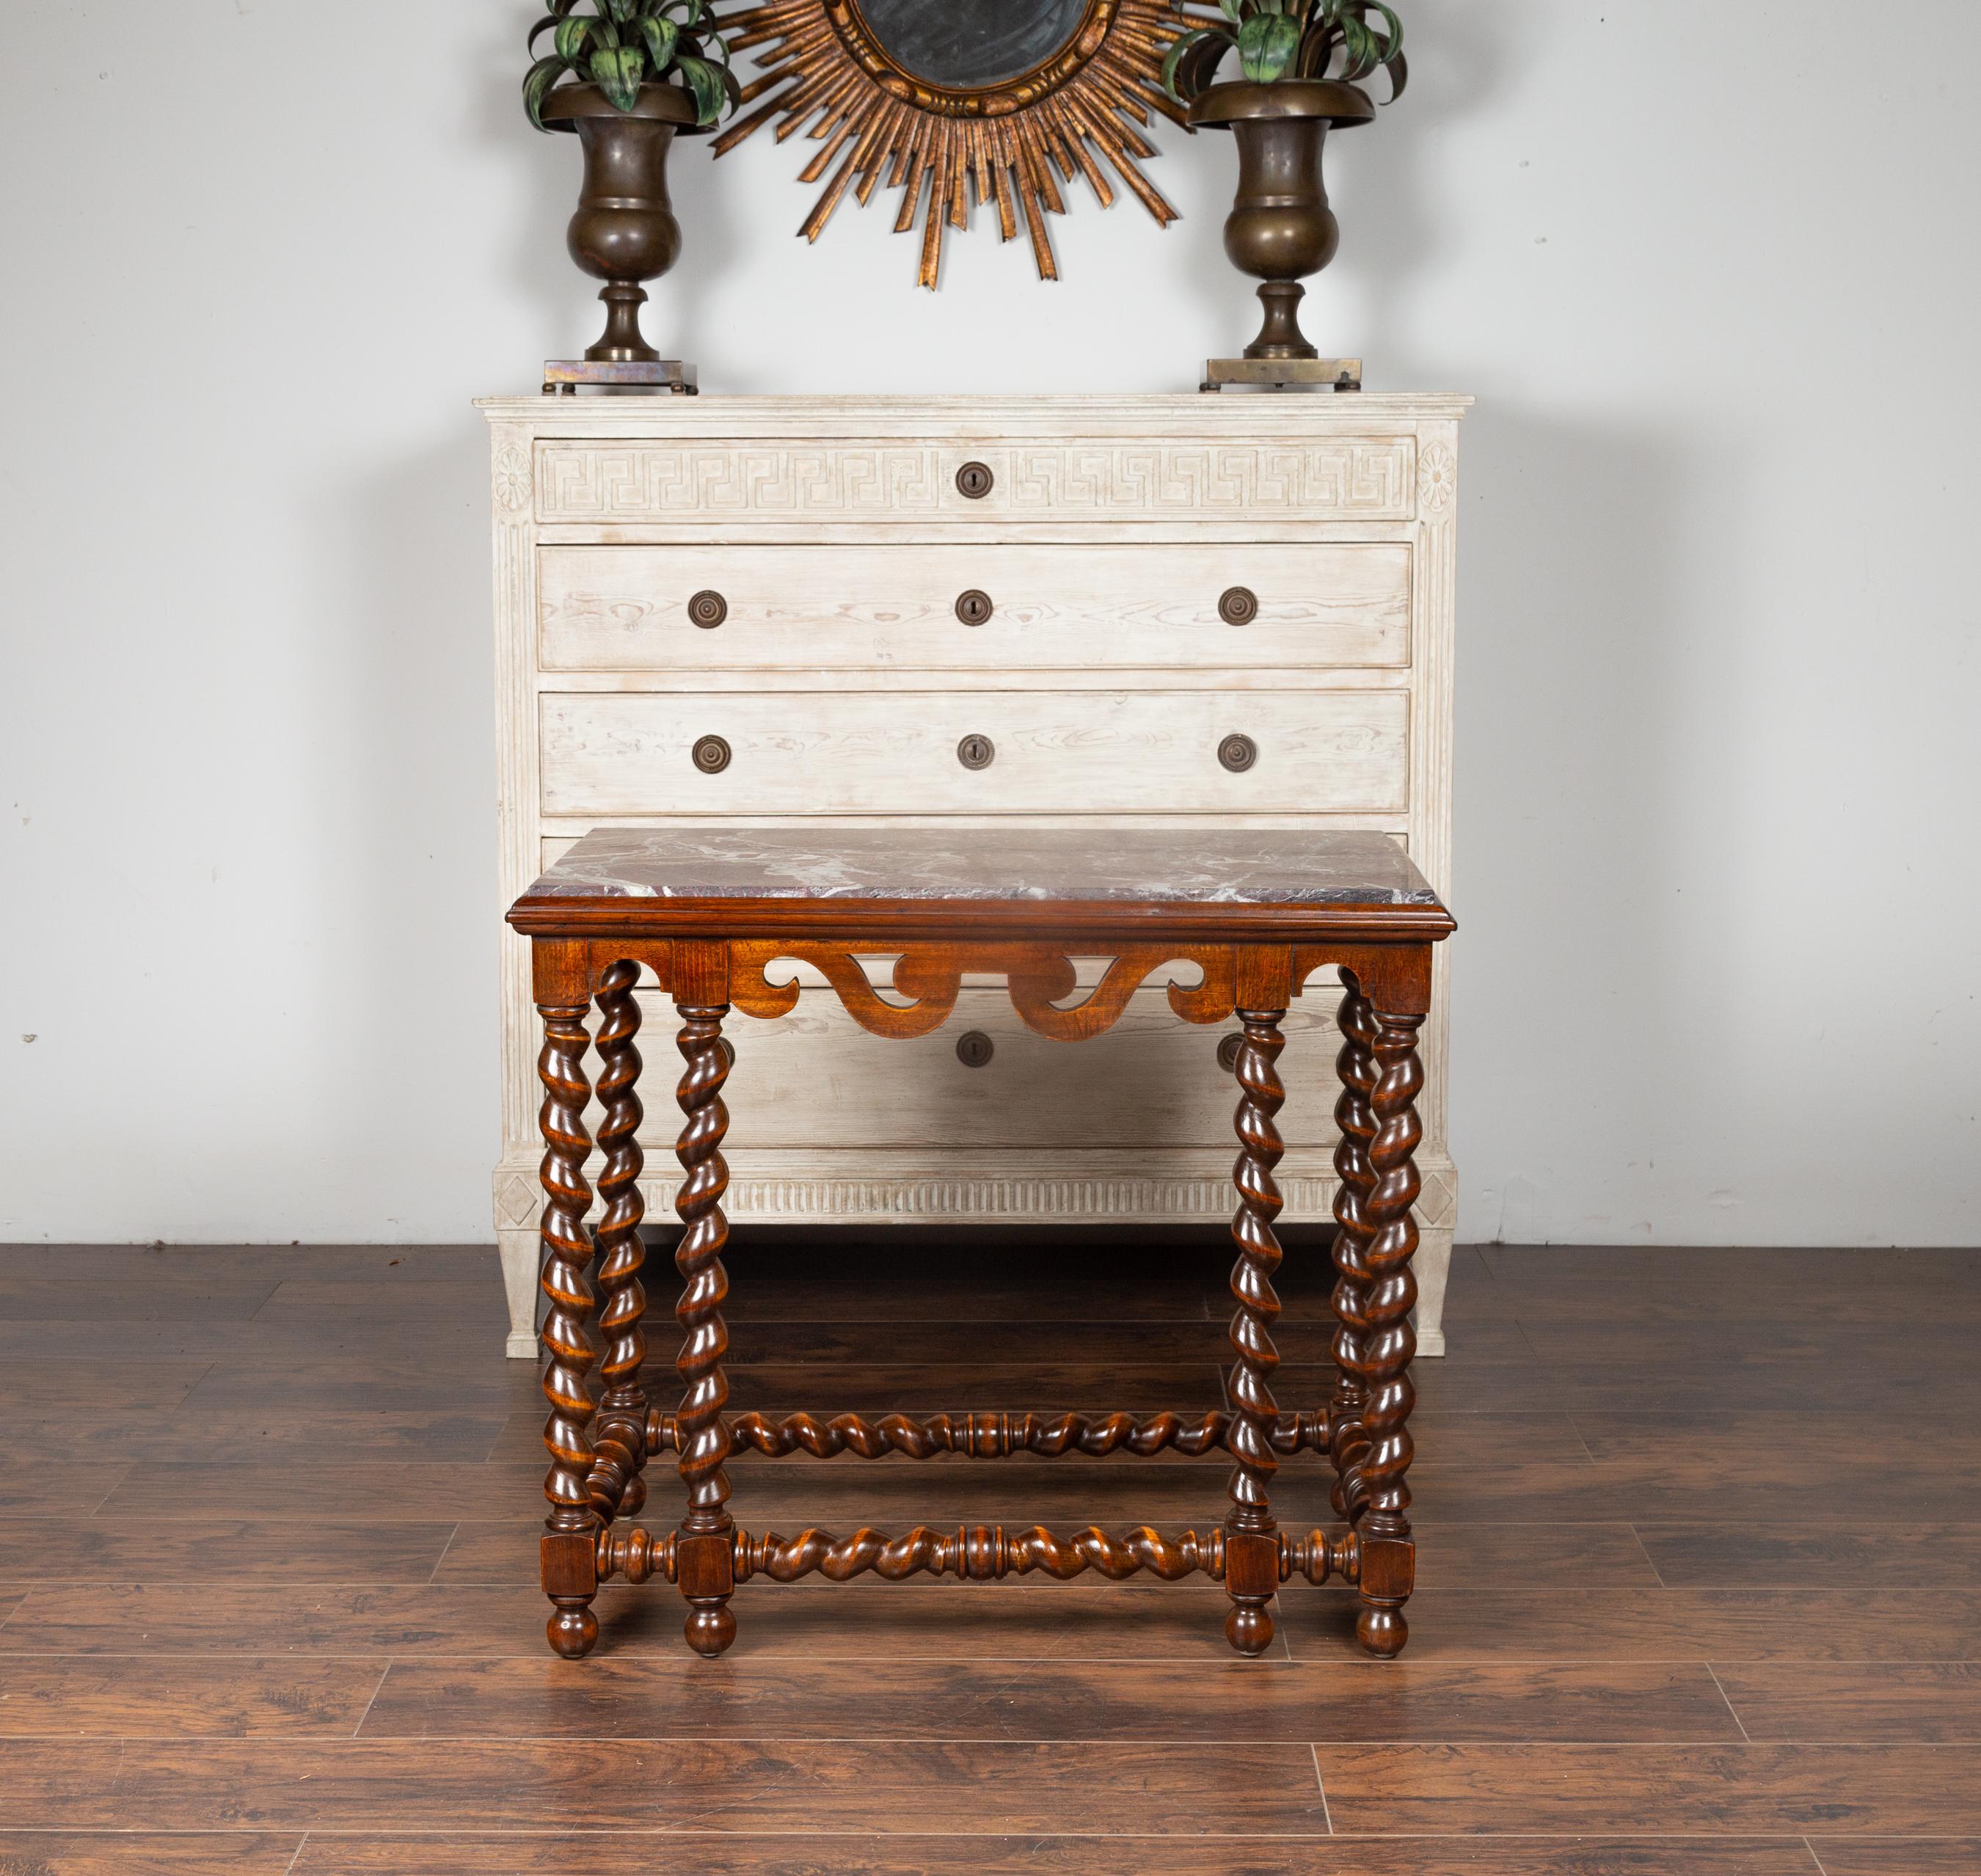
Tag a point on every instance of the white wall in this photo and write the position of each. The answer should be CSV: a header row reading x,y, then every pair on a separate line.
x,y
1718,771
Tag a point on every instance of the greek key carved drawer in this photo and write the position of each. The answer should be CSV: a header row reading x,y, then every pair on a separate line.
x,y
774,479
1255,606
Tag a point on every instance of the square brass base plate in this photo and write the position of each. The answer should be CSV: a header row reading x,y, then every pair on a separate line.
x,y
1283,374
562,376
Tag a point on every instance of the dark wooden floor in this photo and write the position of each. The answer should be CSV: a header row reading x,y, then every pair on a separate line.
x,y
1701,1582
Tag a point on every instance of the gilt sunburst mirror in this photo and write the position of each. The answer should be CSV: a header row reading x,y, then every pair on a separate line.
x,y
1010,102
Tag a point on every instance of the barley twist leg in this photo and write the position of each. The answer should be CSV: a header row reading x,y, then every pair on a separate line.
x,y
569,1570
1348,1441
1388,1552
703,1550
1251,1538
619,1438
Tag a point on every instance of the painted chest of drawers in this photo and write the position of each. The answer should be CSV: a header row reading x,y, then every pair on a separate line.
x,y
975,612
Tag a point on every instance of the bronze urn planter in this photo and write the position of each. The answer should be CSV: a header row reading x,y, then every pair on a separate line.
x,y
624,231
1280,228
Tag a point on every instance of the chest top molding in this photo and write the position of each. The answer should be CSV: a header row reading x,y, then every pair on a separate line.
x,y
1179,415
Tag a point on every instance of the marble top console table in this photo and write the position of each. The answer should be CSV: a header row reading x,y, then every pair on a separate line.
x,y
896,921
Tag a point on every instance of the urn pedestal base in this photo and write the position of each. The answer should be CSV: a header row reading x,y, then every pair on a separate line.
x,y
1283,374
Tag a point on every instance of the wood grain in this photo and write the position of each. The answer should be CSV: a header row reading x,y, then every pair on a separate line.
x,y
1779,1700
1555,1715
1322,752
759,1785
1346,1700
1082,608
148,1698
1737,1789
909,1855
142,1853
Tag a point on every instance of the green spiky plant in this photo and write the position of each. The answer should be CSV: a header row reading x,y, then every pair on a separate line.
x,y
622,44
1343,39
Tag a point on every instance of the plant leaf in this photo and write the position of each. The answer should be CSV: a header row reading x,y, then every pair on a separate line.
x,y
536,86
623,10
1180,68
704,85
660,35
1399,69
1266,44
571,34
618,71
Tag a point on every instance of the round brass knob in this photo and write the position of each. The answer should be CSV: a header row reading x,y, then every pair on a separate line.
x,y
1237,753
976,752
974,480
1239,606
711,755
974,607
974,1049
708,608
1227,1053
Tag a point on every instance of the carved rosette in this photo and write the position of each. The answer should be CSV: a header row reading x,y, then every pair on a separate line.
x,y
1437,478
512,479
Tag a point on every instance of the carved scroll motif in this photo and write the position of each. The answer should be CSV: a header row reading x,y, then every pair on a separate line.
x,y
1041,978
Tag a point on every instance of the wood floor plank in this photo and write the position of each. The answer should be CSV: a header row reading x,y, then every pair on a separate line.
x,y
1613,1789
71,1299
671,1697
1841,1856
53,1392
326,1487
43,1552
861,1622
120,1697
1667,1625
1855,1700
1701,1552
809,1855
149,1853
758,1786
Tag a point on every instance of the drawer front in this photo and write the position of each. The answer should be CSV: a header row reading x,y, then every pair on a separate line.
x,y
690,482
1173,607
904,752
816,1079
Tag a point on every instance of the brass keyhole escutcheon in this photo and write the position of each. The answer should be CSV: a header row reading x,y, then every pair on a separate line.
x,y
976,752
975,1049
1237,753
975,481
711,755
974,607
1227,1053
708,608
1239,606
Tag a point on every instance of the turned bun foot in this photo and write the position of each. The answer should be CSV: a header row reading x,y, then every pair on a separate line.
x,y
573,1633
1249,1629
1382,1631
710,1631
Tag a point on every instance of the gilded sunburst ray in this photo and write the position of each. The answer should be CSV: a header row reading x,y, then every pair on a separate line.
x,y
1081,113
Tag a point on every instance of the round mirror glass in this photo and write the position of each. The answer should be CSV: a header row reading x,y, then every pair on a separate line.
x,y
967,45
